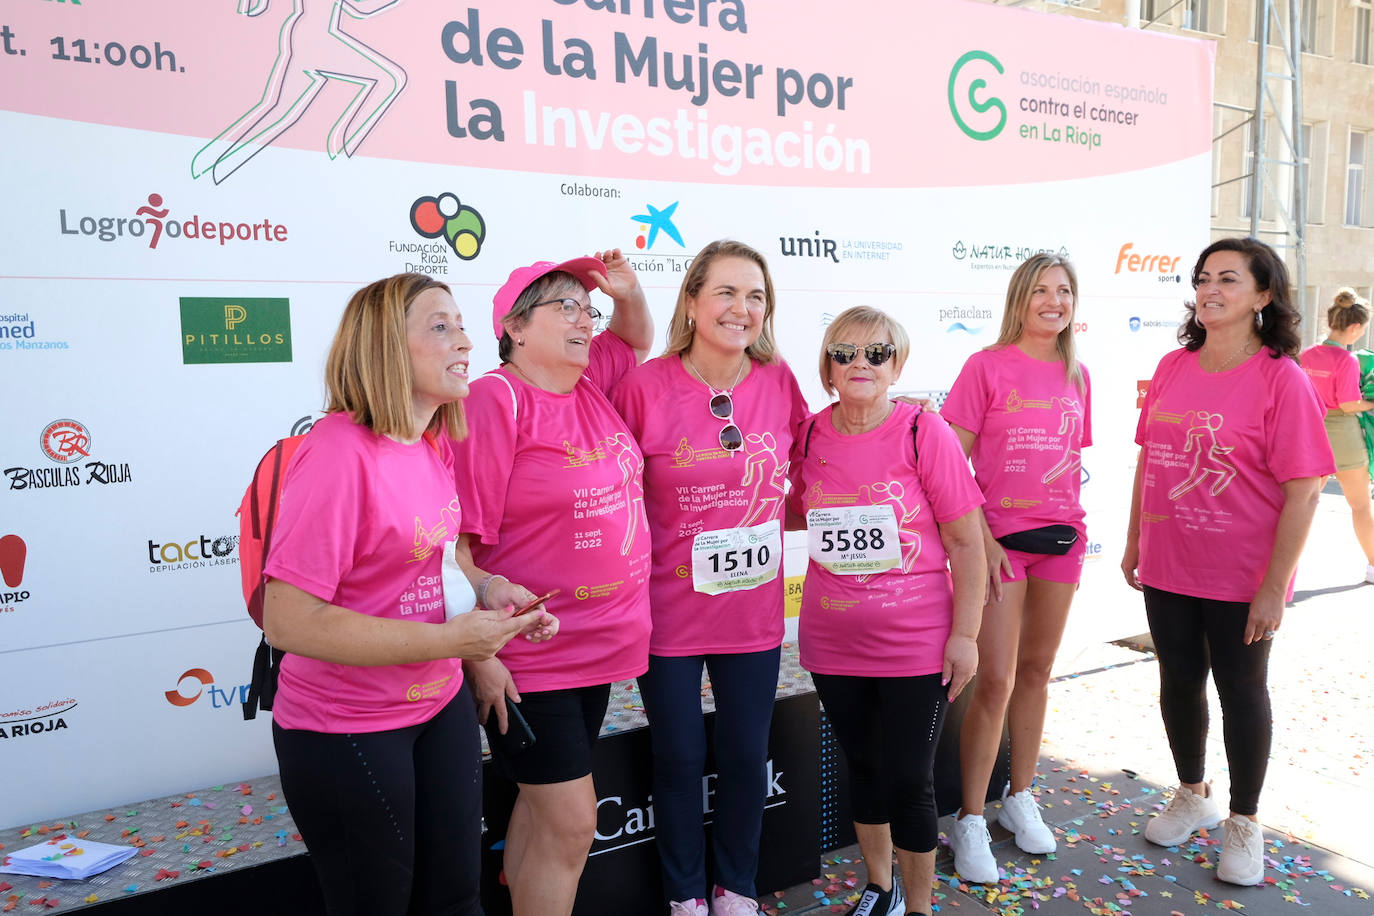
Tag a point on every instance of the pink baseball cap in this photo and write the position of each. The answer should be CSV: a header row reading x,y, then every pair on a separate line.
x,y
522,277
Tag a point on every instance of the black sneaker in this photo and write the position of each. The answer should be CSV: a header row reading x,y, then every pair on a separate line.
x,y
877,902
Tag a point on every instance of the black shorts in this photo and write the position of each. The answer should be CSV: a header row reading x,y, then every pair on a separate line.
x,y
566,724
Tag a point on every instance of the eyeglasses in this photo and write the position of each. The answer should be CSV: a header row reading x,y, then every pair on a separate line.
x,y
572,310
723,408
875,353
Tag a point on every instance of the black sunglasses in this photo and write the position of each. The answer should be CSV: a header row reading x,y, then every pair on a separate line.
x,y
875,353
722,408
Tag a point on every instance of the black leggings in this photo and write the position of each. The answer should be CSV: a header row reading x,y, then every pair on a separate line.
x,y
1192,635
392,819
888,728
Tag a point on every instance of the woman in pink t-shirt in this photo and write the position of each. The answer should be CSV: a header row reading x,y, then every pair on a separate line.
x,y
1022,410
893,596
553,496
714,417
1232,458
1335,373
374,730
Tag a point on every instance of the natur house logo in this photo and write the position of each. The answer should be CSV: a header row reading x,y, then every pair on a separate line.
x,y
218,330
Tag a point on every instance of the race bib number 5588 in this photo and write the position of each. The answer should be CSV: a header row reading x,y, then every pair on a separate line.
x,y
853,540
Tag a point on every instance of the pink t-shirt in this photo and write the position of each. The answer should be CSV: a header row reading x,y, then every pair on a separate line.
x,y
1335,373
1217,446
692,485
1031,425
362,525
553,490
894,623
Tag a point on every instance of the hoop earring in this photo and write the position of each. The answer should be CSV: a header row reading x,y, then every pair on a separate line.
x,y
691,323
1259,319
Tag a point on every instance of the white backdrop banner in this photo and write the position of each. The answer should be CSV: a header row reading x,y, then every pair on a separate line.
x,y
193,191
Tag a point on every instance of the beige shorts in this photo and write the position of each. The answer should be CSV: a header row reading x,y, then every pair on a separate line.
x,y
1347,440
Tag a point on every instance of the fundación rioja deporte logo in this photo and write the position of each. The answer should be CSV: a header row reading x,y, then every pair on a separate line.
x,y
980,106
218,330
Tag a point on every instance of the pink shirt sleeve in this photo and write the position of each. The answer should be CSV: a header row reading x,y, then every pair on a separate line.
x,y
484,459
611,358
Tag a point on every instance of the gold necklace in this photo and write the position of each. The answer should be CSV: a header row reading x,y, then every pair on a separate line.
x,y
714,389
1244,348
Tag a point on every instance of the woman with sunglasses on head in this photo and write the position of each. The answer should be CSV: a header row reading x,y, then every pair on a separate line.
x,y
1022,411
1335,373
714,417
372,723
894,592
553,499
1233,453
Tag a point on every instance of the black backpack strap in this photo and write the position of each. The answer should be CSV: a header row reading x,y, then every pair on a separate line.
x,y
806,444
262,689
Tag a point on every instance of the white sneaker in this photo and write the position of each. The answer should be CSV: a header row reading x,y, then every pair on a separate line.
x,y
1369,573
1186,812
687,907
1021,815
972,847
1242,852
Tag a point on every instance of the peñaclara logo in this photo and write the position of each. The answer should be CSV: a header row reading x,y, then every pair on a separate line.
x,y
67,442
152,221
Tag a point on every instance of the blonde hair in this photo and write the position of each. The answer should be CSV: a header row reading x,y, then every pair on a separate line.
x,y
1019,290
681,330
368,373
1347,309
857,319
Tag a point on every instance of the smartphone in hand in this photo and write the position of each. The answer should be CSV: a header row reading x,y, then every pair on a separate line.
x,y
536,602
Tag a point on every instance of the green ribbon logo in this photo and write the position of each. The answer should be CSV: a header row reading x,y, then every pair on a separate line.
x,y
973,88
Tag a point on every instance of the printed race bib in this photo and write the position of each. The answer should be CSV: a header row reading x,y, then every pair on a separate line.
x,y
853,540
736,559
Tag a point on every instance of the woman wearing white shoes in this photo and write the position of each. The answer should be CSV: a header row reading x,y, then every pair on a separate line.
x,y
1021,409
1233,454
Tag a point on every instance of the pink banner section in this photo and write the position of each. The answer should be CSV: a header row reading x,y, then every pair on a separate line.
x,y
825,94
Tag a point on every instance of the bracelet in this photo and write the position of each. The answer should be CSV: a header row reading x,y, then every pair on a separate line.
x,y
482,589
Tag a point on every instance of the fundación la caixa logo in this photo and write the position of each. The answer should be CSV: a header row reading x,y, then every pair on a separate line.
x,y
979,64
219,330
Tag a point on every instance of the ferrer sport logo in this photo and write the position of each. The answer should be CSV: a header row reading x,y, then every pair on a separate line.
x,y
67,443
152,221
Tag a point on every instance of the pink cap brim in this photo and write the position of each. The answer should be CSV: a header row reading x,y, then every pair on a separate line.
x,y
520,279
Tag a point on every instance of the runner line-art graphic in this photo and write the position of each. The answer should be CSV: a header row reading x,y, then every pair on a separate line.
x,y
891,492
312,48
622,447
761,451
1070,424
1208,458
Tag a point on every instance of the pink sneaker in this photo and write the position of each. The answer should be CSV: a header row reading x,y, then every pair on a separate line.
x,y
728,903
695,907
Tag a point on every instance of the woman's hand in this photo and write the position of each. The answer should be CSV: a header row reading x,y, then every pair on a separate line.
x,y
961,664
508,596
1266,614
490,684
998,564
1130,561
619,281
